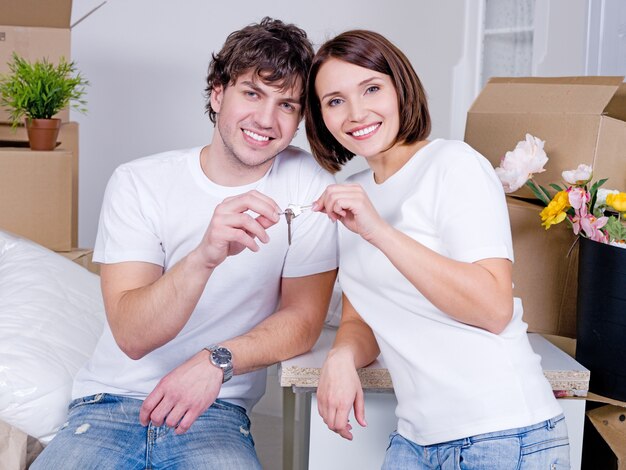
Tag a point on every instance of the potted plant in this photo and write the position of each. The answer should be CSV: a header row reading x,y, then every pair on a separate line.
x,y
36,92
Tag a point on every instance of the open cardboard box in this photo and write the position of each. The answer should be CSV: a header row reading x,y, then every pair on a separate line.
x,y
39,190
545,271
35,29
581,120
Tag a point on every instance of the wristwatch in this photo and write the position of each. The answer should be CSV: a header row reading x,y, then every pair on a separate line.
x,y
222,357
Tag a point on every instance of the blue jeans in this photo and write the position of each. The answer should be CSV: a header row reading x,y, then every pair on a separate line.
x,y
103,432
543,446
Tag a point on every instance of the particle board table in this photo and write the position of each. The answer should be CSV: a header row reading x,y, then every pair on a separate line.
x,y
319,448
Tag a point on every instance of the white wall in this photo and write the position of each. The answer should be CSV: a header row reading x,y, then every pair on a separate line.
x,y
147,59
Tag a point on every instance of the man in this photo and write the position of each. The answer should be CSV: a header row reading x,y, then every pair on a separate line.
x,y
203,288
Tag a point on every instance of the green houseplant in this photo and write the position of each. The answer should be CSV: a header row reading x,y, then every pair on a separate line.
x,y
39,90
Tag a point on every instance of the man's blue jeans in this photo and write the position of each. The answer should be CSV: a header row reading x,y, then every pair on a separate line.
x,y
103,431
542,446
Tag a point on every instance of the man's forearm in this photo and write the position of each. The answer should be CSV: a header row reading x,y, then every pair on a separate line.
x,y
156,306
292,330
279,337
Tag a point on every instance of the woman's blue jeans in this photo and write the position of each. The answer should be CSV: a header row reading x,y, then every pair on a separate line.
x,y
103,432
543,446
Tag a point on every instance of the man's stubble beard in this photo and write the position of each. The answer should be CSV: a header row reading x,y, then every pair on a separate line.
x,y
236,160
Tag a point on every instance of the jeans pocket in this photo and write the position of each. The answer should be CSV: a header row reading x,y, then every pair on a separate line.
x,y
547,447
495,453
88,400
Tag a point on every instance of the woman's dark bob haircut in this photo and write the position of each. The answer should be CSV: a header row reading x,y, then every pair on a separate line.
x,y
374,52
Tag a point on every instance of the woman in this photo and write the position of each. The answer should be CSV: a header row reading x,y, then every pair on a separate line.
x,y
425,267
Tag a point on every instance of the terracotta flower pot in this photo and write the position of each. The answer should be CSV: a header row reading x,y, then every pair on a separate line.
x,y
43,133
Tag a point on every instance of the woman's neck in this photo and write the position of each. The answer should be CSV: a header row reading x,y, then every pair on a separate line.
x,y
390,162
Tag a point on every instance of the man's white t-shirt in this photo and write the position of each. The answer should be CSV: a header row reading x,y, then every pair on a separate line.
x,y
452,380
157,209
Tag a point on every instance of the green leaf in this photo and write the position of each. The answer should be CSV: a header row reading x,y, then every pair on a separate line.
x,y
541,195
597,184
546,192
616,229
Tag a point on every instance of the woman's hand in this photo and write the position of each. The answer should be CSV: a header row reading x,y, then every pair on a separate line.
x,y
338,392
349,204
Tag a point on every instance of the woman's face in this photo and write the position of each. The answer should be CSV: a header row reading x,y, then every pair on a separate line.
x,y
359,107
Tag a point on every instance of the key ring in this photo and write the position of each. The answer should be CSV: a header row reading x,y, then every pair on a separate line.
x,y
296,209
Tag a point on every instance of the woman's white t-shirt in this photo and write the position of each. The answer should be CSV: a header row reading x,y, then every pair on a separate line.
x,y
452,380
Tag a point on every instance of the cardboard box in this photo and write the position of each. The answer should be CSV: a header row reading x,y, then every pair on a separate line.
x,y
14,139
18,450
36,196
545,272
84,257
581,120
34,29
610,423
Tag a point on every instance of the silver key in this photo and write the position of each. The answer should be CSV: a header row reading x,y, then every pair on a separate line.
x,y
293,211
289,214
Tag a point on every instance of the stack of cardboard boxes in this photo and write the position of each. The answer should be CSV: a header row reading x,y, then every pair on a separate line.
x,y
38,190
581,120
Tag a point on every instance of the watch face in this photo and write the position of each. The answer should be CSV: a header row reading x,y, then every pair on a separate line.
x,y
221,356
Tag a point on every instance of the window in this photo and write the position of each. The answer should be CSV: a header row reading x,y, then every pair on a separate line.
x,y
507,39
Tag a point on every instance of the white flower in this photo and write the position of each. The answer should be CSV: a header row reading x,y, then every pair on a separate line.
x,y
579,176
520,164
602,194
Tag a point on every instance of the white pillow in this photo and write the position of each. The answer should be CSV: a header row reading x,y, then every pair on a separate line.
x,y
51,316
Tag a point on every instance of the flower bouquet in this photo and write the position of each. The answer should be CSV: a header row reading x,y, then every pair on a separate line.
x,y
591,211
596,216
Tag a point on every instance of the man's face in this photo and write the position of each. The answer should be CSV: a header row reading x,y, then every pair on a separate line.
x,y
255,120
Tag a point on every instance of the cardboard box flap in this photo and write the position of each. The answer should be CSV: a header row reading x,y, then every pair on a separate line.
x,y
549,95
617,106
611,424
36,13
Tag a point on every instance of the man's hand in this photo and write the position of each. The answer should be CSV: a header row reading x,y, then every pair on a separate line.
x,y
183,394
232,229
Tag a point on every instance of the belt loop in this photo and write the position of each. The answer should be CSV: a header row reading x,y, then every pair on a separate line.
x,y
550,423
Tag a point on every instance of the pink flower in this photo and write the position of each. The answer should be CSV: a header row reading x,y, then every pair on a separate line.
x,y
578,199
590,226
520,164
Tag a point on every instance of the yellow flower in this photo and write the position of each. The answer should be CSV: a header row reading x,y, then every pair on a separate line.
x,y
554,212
617,201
